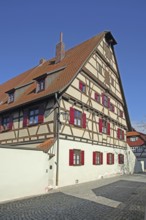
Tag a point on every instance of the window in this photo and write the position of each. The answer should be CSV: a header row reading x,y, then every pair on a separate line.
x,y
11,97
108,53
40,85
82,87
76,157
105,101
97,158
97,97
77,118
112,107
121,158
7,123
110,158
99,68
33,116
120,134
120,113
104,126
112,81
133,139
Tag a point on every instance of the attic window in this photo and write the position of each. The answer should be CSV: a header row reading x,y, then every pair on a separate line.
x,y
133,139
11,97
40,85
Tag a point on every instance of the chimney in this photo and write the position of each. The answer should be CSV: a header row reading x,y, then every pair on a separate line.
x,y
60,51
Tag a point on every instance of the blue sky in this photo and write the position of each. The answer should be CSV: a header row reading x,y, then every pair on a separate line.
x,y
29,30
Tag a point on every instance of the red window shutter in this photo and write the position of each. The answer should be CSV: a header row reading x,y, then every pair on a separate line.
x,y
72,116
41,114
108,102
103,98
71,155
0,124
108,128
108,155
95,96
123,158
123,135
100,125
118,133
10,122
84,120
25,117
101,158
112,158
82,157
80,85
94,158
119,155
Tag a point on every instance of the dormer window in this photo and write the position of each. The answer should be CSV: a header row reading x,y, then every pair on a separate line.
x,y
10,94
40,82
40,85
133,139
11,97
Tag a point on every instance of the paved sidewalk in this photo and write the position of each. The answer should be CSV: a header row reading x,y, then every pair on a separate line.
x,y
117,198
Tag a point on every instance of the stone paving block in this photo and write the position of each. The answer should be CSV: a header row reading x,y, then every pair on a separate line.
x,y
120,198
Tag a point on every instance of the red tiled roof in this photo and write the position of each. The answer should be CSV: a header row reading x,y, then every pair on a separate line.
x,y
46,145
137,143
132,133
73,62
141,138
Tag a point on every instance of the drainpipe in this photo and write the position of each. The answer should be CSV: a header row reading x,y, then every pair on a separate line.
x,y
57,137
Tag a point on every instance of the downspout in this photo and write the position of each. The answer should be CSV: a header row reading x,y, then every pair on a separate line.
x,y
57,137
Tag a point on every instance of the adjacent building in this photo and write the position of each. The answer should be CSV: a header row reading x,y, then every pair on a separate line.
x,y
137,141
64,121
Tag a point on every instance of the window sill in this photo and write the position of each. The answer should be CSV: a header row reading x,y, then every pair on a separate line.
x,y
34,124
5,130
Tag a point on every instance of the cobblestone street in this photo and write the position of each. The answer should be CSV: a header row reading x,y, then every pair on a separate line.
x,y
117,198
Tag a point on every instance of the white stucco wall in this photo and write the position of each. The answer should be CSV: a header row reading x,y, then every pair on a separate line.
x,y
22,173
69,175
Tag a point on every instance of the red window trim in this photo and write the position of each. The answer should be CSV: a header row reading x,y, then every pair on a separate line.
x,y
101,125
100,159
81,84
96,97
121,158
10,124
26,116
112,109
108,101
71,159
118,134
110,161
72,117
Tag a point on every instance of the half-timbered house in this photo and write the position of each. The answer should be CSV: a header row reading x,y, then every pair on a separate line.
x,y
64,121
